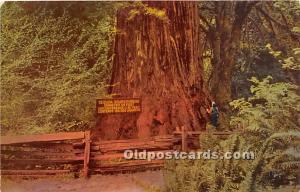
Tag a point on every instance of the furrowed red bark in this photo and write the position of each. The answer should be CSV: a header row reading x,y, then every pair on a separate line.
x,y
157,58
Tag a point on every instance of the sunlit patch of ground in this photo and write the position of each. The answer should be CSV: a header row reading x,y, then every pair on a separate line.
x,y
150,181
137,182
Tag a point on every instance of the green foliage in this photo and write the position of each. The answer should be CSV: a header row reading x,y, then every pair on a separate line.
x,y
54,64
271,130
292,7
184,175
293,62
143,9
290,63
209,175
207,65
272,107
267,161
259,63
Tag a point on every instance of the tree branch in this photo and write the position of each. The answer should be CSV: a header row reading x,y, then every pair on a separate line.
x,y
202,27
209,9
205,21
284,27
242,10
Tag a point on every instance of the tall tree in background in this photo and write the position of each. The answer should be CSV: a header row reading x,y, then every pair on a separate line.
x,y
157,58
223,25
227,24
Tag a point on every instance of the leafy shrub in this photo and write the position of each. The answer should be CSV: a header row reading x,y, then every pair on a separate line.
x,y
271,130
54,63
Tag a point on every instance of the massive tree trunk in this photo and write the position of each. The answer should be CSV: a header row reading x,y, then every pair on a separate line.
x,y
157,58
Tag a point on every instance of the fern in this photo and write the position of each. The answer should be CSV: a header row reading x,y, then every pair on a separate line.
x,y
271,131
250,181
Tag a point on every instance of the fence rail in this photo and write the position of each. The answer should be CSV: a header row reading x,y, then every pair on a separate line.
x,y
75,152
24,139
47,154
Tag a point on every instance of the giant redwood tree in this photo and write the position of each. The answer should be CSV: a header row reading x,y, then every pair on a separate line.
x,y
157,58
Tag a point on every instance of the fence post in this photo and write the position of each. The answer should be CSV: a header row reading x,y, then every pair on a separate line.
x,y
87,148
183,139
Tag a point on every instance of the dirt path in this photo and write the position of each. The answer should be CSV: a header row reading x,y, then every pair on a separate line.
x,y
137,182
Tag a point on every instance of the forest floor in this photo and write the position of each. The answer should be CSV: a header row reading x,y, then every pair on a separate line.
x,y
150,181
137,182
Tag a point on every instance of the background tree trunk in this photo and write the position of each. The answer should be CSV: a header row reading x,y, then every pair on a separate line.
x,y
225,38
157,58
224,50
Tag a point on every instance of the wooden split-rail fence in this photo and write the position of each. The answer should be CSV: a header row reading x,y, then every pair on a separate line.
x,y
76,153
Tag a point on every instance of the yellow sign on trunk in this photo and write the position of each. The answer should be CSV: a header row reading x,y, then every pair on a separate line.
x,y
118,105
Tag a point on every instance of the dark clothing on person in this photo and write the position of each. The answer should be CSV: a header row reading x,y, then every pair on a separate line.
x,y
214,116
214,119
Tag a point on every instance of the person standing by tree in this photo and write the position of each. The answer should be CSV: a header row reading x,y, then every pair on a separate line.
x,y
214,114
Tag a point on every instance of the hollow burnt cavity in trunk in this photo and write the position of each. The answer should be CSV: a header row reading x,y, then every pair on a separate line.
x,y
157,58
